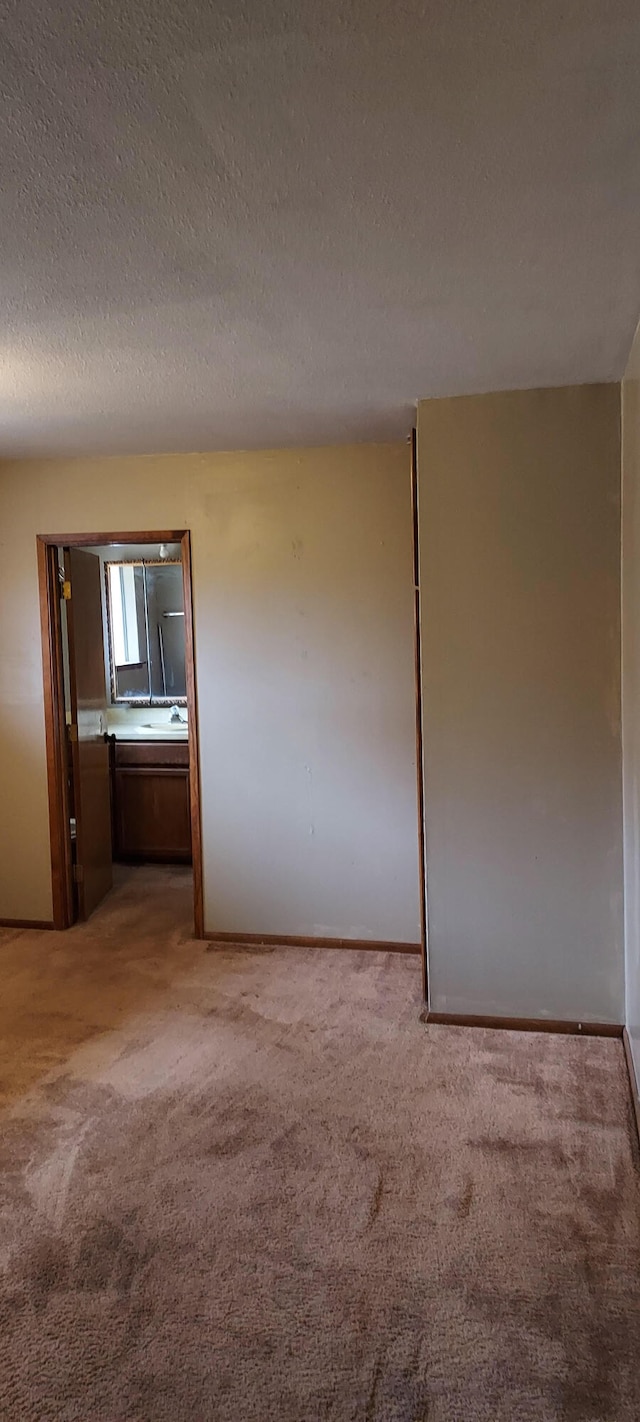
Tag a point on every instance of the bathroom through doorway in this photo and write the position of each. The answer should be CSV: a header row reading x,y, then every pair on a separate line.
x,y
120,711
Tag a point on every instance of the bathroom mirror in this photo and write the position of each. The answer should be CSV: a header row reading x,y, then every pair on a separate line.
x,y
145,616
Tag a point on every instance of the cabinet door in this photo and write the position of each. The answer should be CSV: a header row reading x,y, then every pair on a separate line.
x,y
152,815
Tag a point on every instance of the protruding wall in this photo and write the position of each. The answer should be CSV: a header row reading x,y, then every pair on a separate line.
x,y
519,514
631,689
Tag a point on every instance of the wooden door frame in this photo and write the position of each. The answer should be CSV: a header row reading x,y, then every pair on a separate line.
x,y
54,709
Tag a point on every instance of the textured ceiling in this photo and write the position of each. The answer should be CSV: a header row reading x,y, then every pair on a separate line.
x,y
226,225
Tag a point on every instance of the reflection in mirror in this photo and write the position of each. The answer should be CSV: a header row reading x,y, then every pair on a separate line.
x,y
146,632
165,611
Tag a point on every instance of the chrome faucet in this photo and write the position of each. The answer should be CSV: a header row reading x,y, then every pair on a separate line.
x,y
176,717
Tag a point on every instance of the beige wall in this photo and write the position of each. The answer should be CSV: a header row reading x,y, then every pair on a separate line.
x,y
520,541
631,688
304,652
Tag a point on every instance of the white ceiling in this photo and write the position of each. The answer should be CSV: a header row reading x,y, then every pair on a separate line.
x,y
229,225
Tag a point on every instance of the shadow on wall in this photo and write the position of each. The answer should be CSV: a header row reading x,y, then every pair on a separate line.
x,y
25,817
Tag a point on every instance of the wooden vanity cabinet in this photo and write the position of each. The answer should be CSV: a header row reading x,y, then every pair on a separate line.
x,y
150,800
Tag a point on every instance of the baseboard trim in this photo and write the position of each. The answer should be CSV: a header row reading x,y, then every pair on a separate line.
x,y
524,1024
634,1086
280,940
26,923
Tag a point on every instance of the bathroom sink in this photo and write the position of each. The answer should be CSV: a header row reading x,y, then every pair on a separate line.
x,y
152,732
171,728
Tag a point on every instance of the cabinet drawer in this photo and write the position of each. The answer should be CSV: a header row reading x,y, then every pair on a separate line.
x,y
171,753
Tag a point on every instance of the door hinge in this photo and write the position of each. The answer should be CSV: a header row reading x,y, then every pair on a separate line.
x,y
73,733
66,590
78,874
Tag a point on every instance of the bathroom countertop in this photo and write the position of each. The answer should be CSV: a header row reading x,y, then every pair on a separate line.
x,y
150,733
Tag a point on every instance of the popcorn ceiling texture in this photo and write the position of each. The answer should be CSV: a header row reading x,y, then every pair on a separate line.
x,y
230,225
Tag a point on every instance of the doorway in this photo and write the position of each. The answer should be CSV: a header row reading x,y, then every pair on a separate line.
x,y
120,711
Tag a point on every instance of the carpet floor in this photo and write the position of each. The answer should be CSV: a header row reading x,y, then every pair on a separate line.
x,y
239,1186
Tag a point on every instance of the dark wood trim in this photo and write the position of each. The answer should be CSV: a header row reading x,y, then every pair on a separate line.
x,y
288,940
524,1024
194,754
634,1086
55,735
93,540
151,856
152,755
418,684
55,724
167,771
37,923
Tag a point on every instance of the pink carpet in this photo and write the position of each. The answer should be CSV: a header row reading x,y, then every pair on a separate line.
x,y
251,1187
